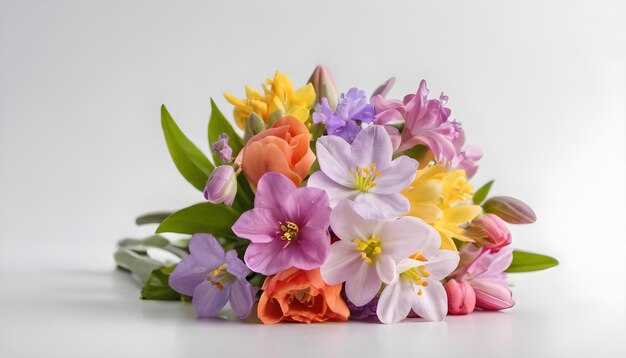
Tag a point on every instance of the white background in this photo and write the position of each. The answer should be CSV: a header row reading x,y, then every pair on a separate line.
x,y
540,85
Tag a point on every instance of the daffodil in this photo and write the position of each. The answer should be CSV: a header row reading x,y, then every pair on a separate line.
x,y
442,198
278,96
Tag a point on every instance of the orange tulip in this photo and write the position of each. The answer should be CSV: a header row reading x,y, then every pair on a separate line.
x,y
283,148
296,295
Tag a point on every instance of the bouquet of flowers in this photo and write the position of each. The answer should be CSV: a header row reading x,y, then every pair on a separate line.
x,y
332,206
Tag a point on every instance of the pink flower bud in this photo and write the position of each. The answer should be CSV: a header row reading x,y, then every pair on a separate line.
x,y
461,297
221,186
324,84
511,210
495,230
493,295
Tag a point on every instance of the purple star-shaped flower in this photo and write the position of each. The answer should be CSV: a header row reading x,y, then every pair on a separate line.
x,y
221,147
345,122
288,226
213,277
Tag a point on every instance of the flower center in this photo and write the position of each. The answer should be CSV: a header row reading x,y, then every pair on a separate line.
x,y
369,249
289,231
417,276
365,178
303,296
219,276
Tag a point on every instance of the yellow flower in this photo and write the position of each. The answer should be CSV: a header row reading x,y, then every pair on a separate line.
x,y
278,96
441,197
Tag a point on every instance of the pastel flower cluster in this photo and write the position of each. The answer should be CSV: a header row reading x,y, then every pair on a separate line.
x,y
334,206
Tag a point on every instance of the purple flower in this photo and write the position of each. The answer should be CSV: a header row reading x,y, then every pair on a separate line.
x,y
364,173
366,312
345,122
213,277
425,122
467,160
288,226
221,187
221,147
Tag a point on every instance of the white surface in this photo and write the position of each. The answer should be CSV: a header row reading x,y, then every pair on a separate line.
x,y
539,85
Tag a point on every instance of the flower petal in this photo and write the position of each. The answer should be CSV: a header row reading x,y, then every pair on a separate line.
x,y
386,269
395,302
311,249
272,189
206,250
396,177
209,299
362,287
187,275
336,192
441,264
342,262
372,146
242,298
335,159
235,266
432,304
404,237
381,206
257,225
492,295
308,207
348,225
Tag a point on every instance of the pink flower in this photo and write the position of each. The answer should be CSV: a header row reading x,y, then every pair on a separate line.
x,y
288,226
484,272
467,160
461,297
494,230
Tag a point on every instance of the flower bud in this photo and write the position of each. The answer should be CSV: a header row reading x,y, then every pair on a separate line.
x,y
254,126
324,84
494,230
221,187
221,148
461,297
511,210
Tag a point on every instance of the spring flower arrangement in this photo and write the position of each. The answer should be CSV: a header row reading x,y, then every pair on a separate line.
x,y
332,206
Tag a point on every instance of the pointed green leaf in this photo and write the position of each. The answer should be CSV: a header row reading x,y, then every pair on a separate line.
x,y
527,261
481,194
189,160
158,288
140,265
218,124
209,218
152,218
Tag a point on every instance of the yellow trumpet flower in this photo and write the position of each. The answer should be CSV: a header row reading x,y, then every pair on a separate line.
x,y
278,96
442,198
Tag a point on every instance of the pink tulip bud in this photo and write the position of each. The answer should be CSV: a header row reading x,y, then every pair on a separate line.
x,y
221,187
511,210
324,84
495,231
461,297
493,295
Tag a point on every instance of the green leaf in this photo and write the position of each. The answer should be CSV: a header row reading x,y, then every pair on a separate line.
x,y
527,261
481,194
152,218
154,240
189,160
141,266
209,218
218,124
157,286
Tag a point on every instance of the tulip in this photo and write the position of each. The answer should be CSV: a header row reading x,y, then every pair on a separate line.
x,y
494,230
511,210
324,84
461,297
221,187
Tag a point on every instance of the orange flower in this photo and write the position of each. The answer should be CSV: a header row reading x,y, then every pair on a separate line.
x,y
296,295
283,148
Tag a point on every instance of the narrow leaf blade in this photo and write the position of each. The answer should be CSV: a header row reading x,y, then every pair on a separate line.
x,y
215,219
481,194
157,286
189,160
152,218
527,261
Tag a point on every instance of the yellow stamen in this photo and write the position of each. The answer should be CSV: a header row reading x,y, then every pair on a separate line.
x,y
365,178
370,248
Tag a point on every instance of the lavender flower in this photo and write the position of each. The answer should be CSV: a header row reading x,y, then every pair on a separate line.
x,y
345,122
213,277
221,147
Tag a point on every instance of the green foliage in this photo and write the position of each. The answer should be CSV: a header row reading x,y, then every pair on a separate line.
x,y
189,160
209,218
140,265
152,218
157,286
481,194
218,124
527,261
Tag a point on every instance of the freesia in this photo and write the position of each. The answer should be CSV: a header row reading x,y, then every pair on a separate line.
x,y
345,122
364,173
278,96
417,283
213,277
367,251
295,295
283,148
288,226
